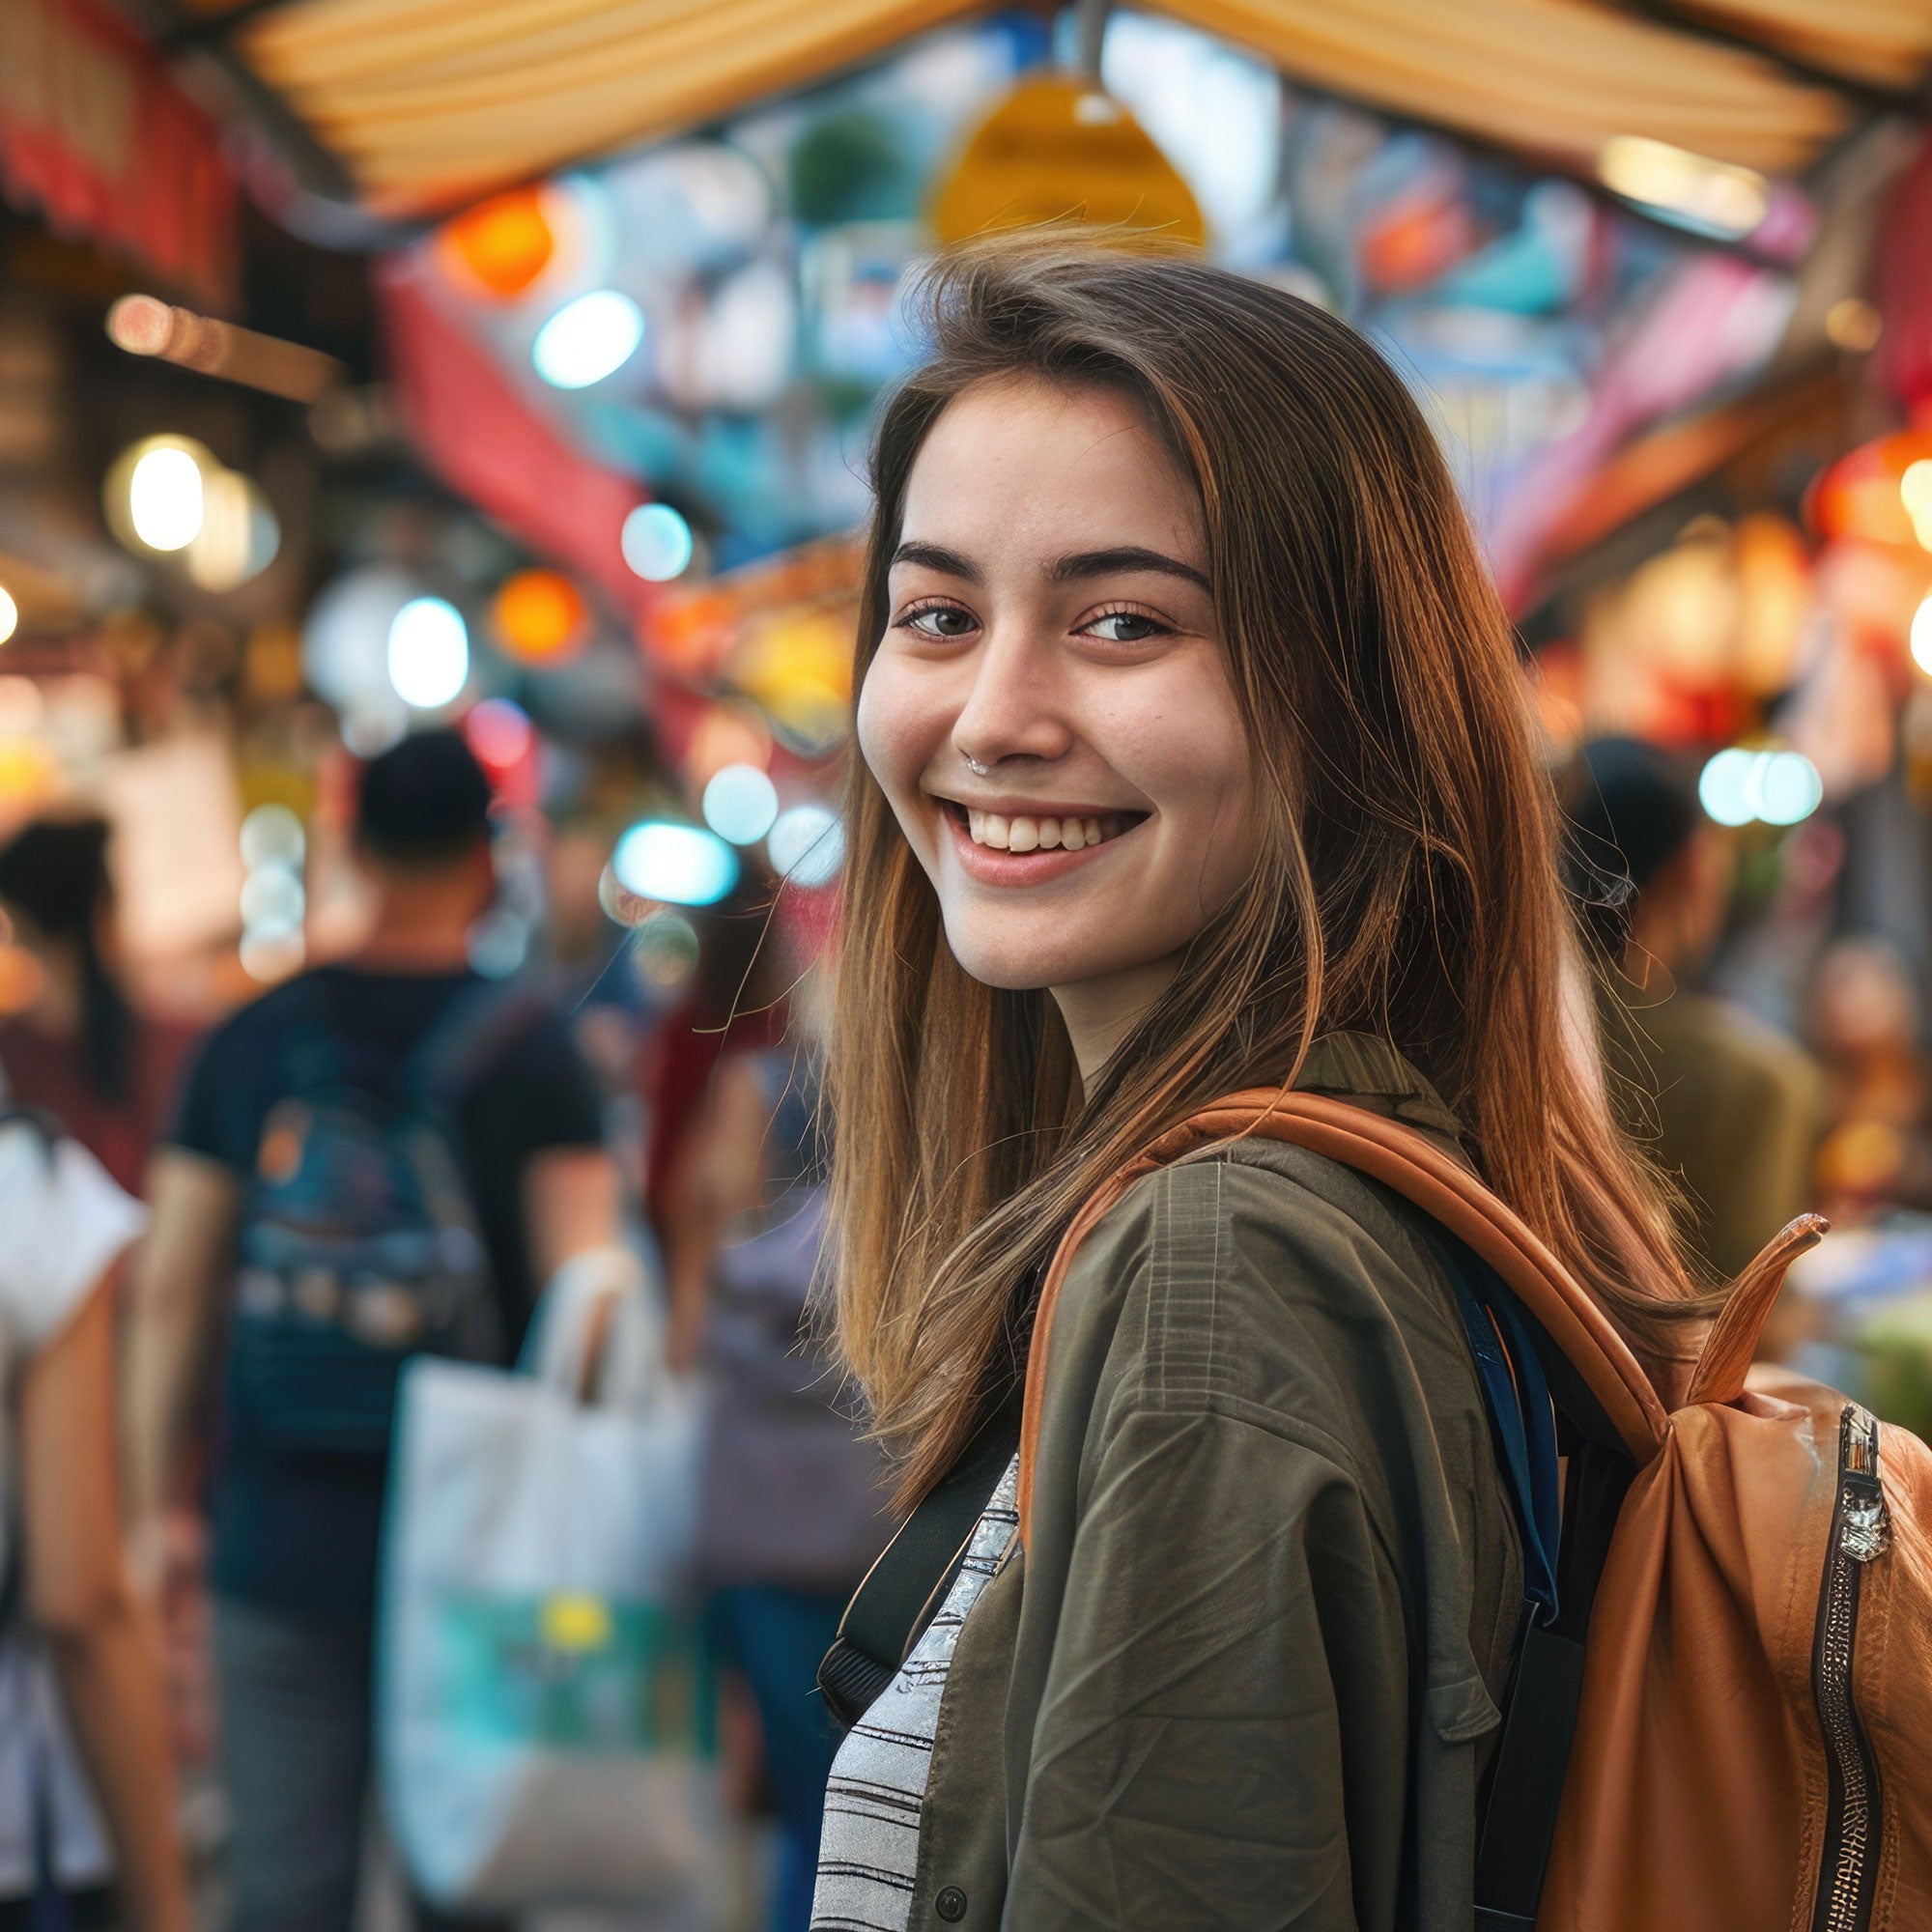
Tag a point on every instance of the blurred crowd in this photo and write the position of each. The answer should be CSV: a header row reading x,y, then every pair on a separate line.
x,y
232,1247
226,1250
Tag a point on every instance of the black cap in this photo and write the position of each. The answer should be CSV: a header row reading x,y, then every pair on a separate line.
x,y
423,800
1632,808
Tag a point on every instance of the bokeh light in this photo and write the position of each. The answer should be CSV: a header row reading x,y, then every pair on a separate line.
x,y
345,639
165,496
807,845
9,615
588,339
1921,636
429,653
499,943
1724,787
269,957
674,865
1853,323
657,542
740,804
272,901
171,497
621,905
538,616
499,732
1914,491
239,534
664,950
1690,191
501,247
271,834
1778,787
1788,788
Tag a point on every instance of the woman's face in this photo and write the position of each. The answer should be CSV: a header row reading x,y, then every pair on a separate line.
x,y
1049,710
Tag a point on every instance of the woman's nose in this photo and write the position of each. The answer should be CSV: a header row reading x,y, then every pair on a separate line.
x,y
1012,709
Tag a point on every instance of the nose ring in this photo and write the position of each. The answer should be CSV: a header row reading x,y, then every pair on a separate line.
x,y
974,766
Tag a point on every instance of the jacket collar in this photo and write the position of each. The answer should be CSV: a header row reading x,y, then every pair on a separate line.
x,y
1366,1069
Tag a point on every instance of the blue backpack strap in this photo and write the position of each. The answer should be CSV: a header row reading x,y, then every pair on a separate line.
x,y
1563,1556
1522,1419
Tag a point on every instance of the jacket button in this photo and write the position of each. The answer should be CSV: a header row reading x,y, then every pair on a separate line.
x,y
951,1905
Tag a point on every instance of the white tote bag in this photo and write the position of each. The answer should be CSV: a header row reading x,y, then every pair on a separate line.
x,y
542,1733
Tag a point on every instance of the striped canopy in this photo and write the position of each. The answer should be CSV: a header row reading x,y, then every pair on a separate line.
x,y
429,103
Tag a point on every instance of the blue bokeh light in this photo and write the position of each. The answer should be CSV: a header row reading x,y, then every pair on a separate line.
x,y
674,865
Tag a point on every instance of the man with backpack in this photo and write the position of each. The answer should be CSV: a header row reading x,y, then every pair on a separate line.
x,y
379,1158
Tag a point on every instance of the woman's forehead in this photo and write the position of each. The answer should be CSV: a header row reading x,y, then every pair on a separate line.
x,y
1021,466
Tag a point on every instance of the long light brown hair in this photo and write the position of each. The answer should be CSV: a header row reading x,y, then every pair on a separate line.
x,y
1410,887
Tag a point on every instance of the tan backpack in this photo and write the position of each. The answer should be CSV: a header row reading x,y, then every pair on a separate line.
x,y
1739,1676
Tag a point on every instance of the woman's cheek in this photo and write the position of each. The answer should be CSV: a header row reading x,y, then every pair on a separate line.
x,y
893,734
874,723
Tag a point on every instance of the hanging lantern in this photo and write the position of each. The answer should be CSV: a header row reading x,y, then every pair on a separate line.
x,y
1057,149
538,616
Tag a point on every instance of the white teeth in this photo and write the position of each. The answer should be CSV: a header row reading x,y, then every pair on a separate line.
x,y
1041,834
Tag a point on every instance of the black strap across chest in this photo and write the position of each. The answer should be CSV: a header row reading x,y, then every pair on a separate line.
x,y
905,1587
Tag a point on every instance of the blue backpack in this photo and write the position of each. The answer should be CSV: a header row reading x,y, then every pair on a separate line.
x,y
359,1246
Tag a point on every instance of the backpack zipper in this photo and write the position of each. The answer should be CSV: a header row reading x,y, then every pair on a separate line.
x,y
1854,1817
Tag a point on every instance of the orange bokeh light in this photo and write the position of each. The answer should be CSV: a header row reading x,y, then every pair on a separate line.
x,y
500,247
538,616
1864,495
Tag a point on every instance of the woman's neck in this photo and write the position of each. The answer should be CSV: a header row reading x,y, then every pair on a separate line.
x,y
1098,1014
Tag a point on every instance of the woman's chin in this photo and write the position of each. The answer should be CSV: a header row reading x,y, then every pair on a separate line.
x,y
1019,965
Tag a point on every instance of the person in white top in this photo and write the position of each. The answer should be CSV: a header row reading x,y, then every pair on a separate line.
x,y
83,1717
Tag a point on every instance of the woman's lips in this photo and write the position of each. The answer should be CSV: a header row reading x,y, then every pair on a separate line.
x,y
991,866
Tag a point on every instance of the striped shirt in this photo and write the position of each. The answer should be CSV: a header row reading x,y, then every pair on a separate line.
x,y
870,1853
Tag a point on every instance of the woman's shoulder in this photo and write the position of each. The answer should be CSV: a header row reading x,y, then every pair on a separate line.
x,y
1262,1222
1273,1281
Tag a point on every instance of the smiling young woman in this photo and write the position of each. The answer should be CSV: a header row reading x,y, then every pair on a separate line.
x,y
1193,758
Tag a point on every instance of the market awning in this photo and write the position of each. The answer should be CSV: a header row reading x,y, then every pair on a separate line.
x,y
431,103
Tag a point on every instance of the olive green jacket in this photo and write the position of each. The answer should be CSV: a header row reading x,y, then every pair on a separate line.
x,y
1246,1673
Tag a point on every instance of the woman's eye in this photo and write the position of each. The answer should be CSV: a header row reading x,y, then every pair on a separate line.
x,y
939,621
1125,627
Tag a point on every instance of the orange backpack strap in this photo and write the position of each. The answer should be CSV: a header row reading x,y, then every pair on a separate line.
x,y
1421,1171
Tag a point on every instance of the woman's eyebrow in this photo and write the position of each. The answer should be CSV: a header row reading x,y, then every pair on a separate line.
x,y
936,556
1126,557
